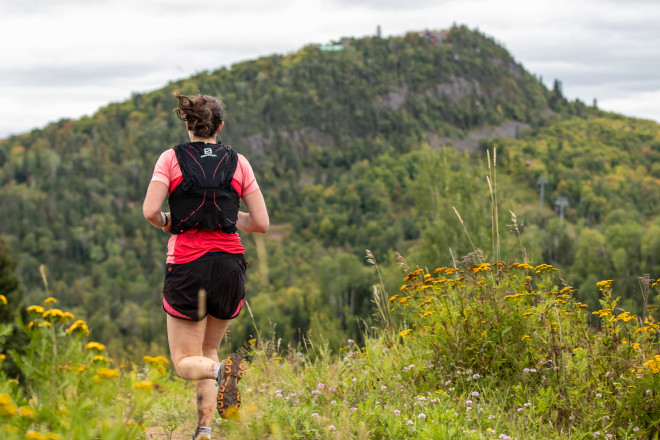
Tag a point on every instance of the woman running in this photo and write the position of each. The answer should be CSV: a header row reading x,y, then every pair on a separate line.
x,y
204,285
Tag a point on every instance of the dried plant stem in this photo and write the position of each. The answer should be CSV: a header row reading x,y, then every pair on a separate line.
x,y
464,228
514,221
380,297
492,186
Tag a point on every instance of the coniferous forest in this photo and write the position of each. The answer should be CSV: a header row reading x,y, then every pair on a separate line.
x,y
427,150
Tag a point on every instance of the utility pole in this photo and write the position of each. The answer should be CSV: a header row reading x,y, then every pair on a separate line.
x,y
562,202
542,181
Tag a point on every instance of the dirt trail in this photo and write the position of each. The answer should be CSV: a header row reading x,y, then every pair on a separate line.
x,y
157,433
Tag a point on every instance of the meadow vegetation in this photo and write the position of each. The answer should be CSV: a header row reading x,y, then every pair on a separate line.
x,y
477,351
353,151
549,332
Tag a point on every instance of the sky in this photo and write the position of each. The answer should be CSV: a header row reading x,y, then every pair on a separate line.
x,y
68,58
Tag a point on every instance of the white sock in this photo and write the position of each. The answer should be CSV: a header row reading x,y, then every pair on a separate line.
x,y
202,430
216,370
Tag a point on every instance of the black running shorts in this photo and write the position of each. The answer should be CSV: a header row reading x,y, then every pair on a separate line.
x,y
214,284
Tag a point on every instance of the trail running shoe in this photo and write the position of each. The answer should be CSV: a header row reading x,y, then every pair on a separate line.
x,y
229,399
202,434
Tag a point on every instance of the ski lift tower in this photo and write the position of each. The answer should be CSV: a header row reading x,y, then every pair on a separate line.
x,y
542,181
562,202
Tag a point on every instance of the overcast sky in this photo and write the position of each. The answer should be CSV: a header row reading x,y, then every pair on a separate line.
x,y
67,58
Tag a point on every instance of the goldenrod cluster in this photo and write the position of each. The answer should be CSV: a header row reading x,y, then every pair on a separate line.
x,y
156,360
654,364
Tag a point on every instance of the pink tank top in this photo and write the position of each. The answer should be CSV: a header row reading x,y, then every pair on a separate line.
x,y
182,248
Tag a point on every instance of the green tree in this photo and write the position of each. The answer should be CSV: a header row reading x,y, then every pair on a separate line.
x,y
12,312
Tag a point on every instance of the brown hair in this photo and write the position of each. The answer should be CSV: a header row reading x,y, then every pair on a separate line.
x,y
202,113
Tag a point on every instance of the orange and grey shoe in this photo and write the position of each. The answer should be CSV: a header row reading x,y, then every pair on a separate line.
x,y
229,398
202,433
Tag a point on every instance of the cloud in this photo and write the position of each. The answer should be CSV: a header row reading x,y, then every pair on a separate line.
x,y
388,4
597,48
42,6
74,75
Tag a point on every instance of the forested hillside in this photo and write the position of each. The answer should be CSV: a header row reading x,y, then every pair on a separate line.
x,y
353,151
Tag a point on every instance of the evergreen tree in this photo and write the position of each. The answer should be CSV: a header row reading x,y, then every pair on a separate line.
x,y
11,336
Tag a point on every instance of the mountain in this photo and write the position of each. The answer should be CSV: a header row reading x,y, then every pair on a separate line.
x,y
365,144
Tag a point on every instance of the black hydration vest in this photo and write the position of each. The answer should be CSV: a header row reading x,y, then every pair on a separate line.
x,y
205,198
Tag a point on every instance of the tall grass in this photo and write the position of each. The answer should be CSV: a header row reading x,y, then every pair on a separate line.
x,y
481,350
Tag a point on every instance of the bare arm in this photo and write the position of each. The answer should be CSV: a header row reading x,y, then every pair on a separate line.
x,y
256,219
153,202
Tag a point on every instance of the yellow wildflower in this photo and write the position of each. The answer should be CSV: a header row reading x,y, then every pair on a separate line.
x,y
155,361
654,364
35,309
440,269
8,409
525,338
423,303
81,368
107,373
45,324
602,313
543,267
51,436
605,284
430,312
78,327
2,357
3,300
625,316
656,284
405,333
521,266
34,435
252,341
451,270
52,314
483,267
635,346
483,334
403,300
67,316
5,399
26,411
146,385
393,298
528,314
413,275
441,280
95,346
517,295
50,300
99,358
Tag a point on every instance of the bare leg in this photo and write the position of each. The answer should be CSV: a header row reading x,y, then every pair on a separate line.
x,y
207,390
186,339
194,350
